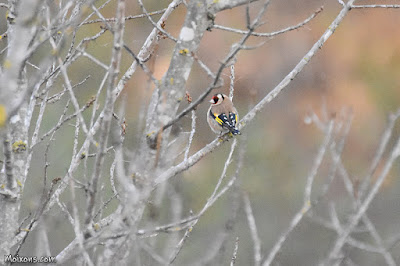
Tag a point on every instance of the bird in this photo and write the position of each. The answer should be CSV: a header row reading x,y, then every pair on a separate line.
x,y
222,116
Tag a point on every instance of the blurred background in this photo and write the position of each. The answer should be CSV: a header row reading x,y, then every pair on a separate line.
x,y
357,69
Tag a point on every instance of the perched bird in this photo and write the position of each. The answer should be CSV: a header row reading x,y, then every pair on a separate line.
x,y
222,115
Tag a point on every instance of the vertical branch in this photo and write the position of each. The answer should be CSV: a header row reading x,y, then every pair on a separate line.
x,y
172,87
76,224
148,47
253,230
39,120
8,159
232,83
43,245
235,251
20,32
191,135
173,245
108,110
13,89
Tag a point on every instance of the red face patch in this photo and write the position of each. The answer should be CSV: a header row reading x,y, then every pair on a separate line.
x,y
215,98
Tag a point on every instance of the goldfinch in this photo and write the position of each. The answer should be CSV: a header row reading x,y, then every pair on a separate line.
x,y
222,115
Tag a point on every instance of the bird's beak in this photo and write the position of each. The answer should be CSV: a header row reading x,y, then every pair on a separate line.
x,y
211,101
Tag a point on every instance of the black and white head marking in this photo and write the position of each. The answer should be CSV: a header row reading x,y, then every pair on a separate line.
x,y
217,98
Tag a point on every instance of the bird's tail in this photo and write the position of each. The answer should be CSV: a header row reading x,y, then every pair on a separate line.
x,y
234,131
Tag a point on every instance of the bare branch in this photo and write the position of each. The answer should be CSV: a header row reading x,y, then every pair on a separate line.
x,y
191,135
218,6
303,62
232,83
307,196
78,232
63,120
210,201
108,110
235,251
253,230
272,34
375,6
126,18
8,161
159,28
340,241
180,245
148,47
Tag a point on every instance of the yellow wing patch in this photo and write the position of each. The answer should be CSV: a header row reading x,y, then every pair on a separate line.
x,y
218,119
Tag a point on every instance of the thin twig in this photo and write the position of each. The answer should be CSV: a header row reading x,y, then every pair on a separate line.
x,y
307,196
177,226
77,230
375,6
8,162
379,153
235,251
253,230
126,18
113,71
180,245
232,83
62,121
275,33
191,134
147,49
159,28
341,239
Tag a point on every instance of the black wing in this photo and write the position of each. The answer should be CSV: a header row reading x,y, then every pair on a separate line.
x,y
228,122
